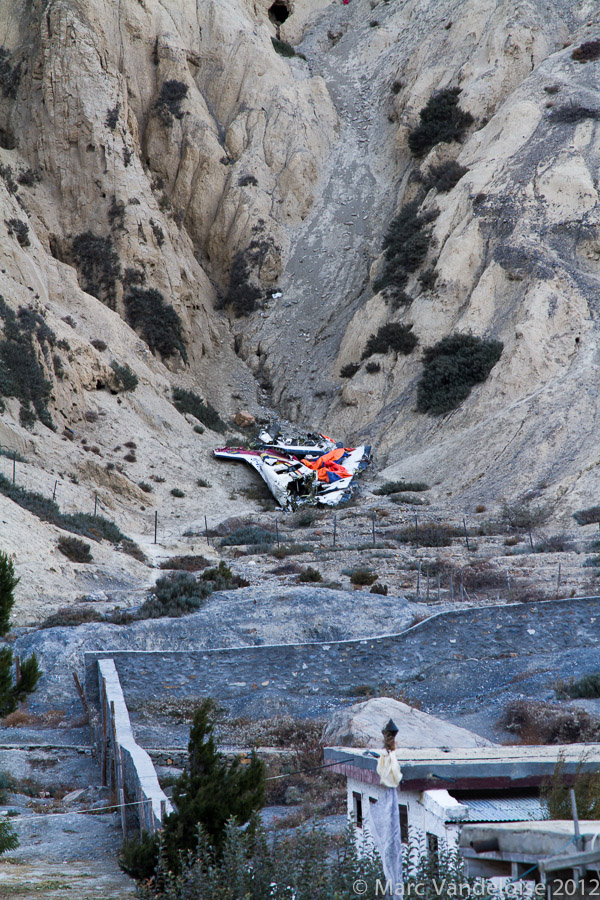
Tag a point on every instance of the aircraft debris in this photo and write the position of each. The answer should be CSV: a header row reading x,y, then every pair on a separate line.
x,y
307,469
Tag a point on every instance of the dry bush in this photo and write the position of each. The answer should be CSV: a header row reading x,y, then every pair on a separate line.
x,y
18,719
537,722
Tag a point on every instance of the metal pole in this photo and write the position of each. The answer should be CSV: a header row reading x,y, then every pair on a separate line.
x,y
155,524
206,530
95,503
277,531
576,831
419,581
427,594
416,529
54,491
530,539
438,586
558,580
14,465
451,587
373,524
334,529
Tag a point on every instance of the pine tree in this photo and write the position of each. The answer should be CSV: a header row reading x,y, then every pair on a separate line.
x,y
8,837
12,693
8,583
210,792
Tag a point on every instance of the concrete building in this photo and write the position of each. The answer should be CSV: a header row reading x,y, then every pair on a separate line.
x,y
443,790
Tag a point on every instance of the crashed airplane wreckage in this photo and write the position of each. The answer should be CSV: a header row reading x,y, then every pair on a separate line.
x,y
311,469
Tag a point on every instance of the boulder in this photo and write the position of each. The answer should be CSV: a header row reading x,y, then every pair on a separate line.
x,y
360,725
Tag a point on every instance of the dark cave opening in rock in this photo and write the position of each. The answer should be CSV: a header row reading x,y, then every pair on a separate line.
x,y
279,12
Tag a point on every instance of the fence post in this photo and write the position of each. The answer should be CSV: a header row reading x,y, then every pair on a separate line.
x,y
14,466
416,530
206,531
373,524
155,524
334,529
419,581
466,535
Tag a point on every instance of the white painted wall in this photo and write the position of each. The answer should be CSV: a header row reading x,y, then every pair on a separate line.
x,y
427,812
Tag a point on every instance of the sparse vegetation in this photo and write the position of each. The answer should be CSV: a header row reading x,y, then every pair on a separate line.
x,y
177,492
14,689
283,48
112,116
249,534
26,342
75,549
99,344
310,575
247,181
587,52
393,337
10,75
20,230
555,543
556,797
428,535
536,722
125,378
363,577
441,121
242,293
168,105
572,113
98,265
587,687
395,487
159,235
188,402
522,515
372,367
453,367
96,528
379,589
445,176
349,370
159,325
8,583
182,593
406,244
587,516
29,177
185,563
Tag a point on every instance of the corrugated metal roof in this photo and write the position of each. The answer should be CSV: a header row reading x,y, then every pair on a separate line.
x,y
501,809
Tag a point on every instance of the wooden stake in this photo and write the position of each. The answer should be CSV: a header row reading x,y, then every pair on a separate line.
x,y
416,530
466,535
206,530
95,503
373,524
530,539
558,580
81,694
277,531
334,529
427,594
14,466
155,524
54,491
419,581
451,587
438,586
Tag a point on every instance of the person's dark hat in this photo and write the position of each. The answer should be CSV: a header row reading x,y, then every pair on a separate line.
x,y
390,728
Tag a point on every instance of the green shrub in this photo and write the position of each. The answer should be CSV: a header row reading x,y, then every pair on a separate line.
x,y
158,323
379,589
181,593
522,516
112,116
8,837
452,367
392,337
203,483
428,535
587,516
395,487
363,577
587,687
177,492
75,550
441,120
125,378
405,245
171,96
572,113
283,48
71,616
99,345
26,343
95,527
10,75
247,181
186,401
249,534
556,797
139,856
145,487
242,293
8,583
185,563
349,370
555,543
20,230
372,367
98,266
14,690
310,575
445,176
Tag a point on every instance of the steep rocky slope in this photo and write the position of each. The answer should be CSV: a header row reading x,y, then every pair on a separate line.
x,y
163,167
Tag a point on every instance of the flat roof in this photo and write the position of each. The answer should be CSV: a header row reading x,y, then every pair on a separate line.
x,y
471,768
